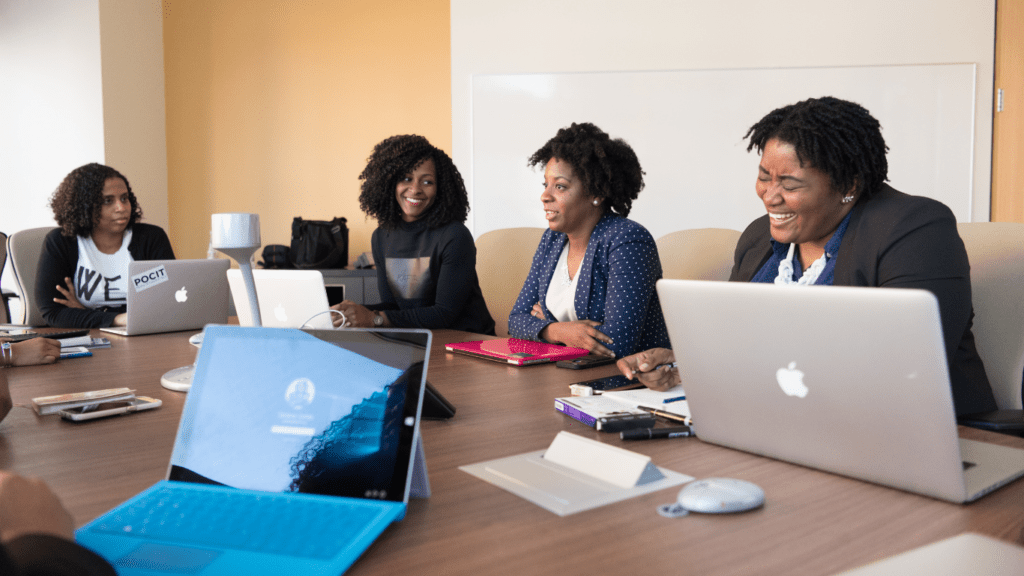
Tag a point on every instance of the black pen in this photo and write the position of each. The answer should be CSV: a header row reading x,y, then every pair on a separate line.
x,y
649,433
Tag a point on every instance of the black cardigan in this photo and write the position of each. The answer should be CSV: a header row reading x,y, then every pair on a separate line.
x,y
59,260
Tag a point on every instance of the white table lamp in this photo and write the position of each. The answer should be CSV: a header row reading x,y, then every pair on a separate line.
x,y
237,235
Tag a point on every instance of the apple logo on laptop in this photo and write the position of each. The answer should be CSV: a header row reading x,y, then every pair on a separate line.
x,y
280,313
181,295
791,381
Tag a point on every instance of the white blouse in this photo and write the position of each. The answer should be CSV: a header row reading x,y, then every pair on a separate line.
x,y
561,296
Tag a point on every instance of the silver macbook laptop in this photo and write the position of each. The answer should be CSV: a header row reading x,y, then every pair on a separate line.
x,y
174,295
288,298
847,380
295,450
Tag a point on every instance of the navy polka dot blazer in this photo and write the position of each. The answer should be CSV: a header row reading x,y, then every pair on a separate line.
x,y
615,288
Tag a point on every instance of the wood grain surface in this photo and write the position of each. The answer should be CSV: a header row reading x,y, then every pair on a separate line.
x,y
812,522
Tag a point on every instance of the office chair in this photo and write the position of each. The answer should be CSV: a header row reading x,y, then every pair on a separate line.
x,y
24,248
503,259
698,254
996,254
5,310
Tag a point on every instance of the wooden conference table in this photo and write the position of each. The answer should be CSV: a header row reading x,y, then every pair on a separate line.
x,y
812,522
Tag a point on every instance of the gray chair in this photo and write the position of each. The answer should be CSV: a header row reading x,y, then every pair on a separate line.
x,y
5,310
24,248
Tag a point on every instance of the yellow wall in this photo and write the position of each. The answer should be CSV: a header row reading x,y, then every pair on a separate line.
x,y
274,105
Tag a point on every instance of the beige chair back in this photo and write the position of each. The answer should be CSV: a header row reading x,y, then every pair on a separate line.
x,y
503,259
698,254
24,248
996,253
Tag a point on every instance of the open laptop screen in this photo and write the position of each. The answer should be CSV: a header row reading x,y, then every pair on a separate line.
x,y
322,411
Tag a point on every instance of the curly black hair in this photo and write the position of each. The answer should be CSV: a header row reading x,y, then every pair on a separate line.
x,y
838,137
608,168
77,201
397,156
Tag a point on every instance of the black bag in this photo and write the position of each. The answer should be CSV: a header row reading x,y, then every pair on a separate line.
x,y
319,245
275,257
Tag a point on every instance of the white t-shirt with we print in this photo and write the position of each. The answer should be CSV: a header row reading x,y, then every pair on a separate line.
x,y
102,279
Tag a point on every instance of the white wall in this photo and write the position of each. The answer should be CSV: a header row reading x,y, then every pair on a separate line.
x,y
538,36
80,81
51,102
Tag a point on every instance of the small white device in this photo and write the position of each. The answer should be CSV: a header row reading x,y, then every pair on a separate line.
x,y
721,495
715,496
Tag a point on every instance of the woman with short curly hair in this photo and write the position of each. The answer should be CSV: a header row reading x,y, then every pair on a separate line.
x,y
831,220
425,255
592,280
83,269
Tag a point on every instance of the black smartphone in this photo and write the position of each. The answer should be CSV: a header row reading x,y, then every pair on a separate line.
x,y
607,384
590,361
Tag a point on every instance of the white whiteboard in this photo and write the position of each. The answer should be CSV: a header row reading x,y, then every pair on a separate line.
x,y
687,129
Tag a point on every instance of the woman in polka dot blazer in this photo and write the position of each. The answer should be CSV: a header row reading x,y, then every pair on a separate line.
x,y
591,284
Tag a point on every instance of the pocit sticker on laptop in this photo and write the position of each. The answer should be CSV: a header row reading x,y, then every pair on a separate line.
x,y
149,278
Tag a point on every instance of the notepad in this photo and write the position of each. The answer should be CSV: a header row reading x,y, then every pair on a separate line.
x,y
673,400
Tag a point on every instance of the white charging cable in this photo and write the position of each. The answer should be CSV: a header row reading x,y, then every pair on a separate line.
x,y
344,320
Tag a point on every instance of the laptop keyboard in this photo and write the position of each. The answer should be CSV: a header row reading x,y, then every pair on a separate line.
x,y
248,521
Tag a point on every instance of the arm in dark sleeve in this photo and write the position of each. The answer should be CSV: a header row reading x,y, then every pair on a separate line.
x,y
521,323
56,263
45,555
455,284
929,254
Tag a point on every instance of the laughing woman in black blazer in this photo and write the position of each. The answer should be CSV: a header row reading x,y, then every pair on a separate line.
x,y
832,220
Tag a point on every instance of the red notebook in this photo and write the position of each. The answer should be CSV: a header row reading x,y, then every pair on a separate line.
x,y
516,351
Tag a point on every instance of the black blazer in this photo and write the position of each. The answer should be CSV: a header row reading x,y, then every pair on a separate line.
x,y
901,241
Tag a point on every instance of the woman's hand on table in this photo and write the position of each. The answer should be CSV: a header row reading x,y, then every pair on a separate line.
x,y
578,334
356,316
651,367
35,351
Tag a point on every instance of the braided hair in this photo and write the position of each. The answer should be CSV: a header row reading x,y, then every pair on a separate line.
x,y
397,156
608,168
76,203
838,137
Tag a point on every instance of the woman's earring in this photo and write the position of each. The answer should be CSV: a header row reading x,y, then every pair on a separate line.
x,y
597,202
848,199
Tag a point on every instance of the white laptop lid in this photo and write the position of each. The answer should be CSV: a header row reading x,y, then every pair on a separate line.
x,y
849,380
288,298
174,295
